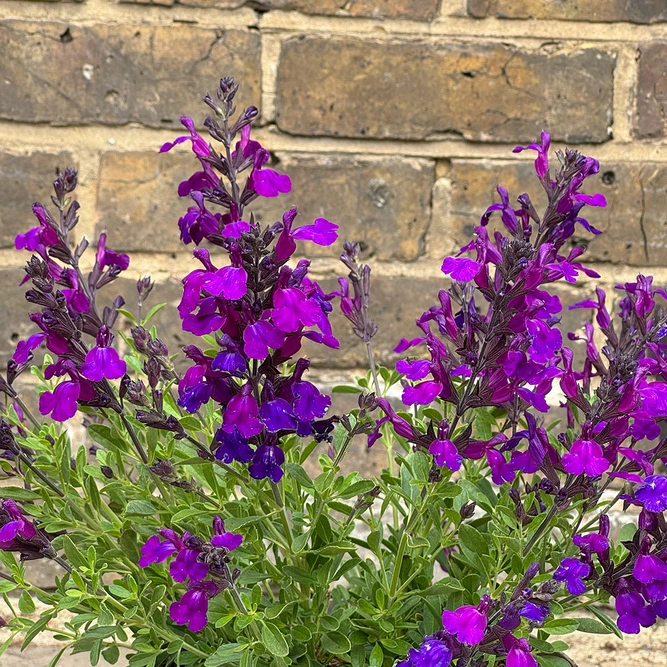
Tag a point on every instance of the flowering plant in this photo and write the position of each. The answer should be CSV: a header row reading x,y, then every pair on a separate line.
x,y
207,520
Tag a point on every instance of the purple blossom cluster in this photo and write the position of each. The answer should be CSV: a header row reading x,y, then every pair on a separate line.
x,y
489,628
20,535
203,565
259,307
68,310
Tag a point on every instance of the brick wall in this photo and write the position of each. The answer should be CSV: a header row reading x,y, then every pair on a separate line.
x,y
394,118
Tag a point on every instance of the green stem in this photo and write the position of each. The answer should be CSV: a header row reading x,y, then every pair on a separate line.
x,y
371,363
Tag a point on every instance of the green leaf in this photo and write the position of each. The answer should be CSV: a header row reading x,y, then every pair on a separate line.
x,y
103,435
26,603
592,626
111,654
377,656
6,586
300,542
336,643
561,626
553,661
472,539
17,493
297,472
35,629
606,621
75,557
345,389
56,658
140,507
153,311
119,592
274,641
225,654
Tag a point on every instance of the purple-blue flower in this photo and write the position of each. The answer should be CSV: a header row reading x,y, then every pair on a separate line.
x,y
573,572
652,494
267,462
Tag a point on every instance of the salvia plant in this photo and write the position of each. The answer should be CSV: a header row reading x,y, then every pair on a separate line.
x,y
205,519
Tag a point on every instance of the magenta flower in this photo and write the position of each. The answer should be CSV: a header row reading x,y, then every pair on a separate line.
x,y
269,183
242,413
261,336
109,258
446,454
187,565
322,232
593,542
468,623
292,310
423,393
103,362
542,159
461,269
223,539
585,456
229,282
518,652
573,572
18,526
156,550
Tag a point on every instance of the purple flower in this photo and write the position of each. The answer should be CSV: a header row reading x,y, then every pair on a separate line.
x,y
536,613
232,447
103,362
269,183
585,456
187,565
414,370
278,415
573,572
468,623
653,493
501,470
462,269
518,652
446,454
649,568
632,611
25,347
309,403
192,608
542,159
156,551
229,282
267,462
593,542
61,403
432,653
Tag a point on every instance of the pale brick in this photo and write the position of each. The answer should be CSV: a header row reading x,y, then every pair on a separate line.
x,y
651,94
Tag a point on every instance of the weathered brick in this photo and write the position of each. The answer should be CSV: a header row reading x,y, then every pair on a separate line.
x,y
384,202
117,74
14,309
137,199
643,11
25,178
651,94
419,90
633,224
419,10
